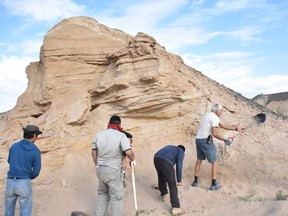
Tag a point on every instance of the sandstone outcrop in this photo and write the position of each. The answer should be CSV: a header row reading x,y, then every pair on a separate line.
x,y
88,72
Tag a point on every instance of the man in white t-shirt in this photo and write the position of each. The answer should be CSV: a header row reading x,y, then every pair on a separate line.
x,y
205,147
107,152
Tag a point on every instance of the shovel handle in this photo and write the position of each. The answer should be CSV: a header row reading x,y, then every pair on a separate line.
x,y
134,188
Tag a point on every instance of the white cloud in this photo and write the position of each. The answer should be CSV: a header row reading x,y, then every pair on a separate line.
x,y
42,10
228,5
251,86
245,34
31,47
149,17
235,71
13,80
174,38
192,26
145,16
28,47
219,65
231,55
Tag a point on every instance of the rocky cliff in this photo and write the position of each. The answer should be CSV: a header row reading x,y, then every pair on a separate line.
x,y
88,72
277,102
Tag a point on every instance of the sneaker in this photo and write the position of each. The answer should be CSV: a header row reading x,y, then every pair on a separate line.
x,y
165,198
177,211
195,184
216,187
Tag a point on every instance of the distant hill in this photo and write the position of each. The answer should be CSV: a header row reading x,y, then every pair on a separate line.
x,y
277,102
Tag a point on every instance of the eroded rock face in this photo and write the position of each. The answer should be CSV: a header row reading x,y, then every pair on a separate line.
x,y
85,65
88,72
277,102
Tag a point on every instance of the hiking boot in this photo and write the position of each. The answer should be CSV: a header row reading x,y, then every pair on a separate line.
x,y
195,184
165,198
216,187
177,211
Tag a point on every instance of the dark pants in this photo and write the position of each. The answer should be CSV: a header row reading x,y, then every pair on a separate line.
x,y
166,174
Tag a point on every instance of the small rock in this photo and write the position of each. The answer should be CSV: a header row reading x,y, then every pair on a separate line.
x,y
78,213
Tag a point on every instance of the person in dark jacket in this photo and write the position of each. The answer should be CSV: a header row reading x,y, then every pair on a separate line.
x,y
24,165
164,161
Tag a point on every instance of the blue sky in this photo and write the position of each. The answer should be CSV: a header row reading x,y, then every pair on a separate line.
x,y
242,44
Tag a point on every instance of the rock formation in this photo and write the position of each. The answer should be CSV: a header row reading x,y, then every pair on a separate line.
x,y
277,102
88,72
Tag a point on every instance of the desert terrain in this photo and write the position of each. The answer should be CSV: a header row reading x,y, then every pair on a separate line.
x,y
87,72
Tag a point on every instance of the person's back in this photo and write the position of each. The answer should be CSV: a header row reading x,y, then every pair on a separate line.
x,y
107,152
170,154
209,120
24,161
24,164
109,148
205,146
164,160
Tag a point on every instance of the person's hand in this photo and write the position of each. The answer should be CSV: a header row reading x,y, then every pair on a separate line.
x,y
241,129
229,141
132,163
179,184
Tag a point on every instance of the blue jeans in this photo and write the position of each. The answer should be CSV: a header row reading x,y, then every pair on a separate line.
x,y
20,189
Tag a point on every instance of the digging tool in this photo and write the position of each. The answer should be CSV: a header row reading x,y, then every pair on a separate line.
x,y
258,119
134,189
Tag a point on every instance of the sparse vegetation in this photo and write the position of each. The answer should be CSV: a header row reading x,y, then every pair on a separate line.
x,y
280,196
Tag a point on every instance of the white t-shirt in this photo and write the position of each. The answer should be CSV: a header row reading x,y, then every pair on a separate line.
x,y
110,144
209,120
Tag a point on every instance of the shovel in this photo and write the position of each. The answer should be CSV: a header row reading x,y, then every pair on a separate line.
x,y
134,190
258,119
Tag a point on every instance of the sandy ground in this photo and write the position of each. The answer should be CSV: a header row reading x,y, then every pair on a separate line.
x,y
245,191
